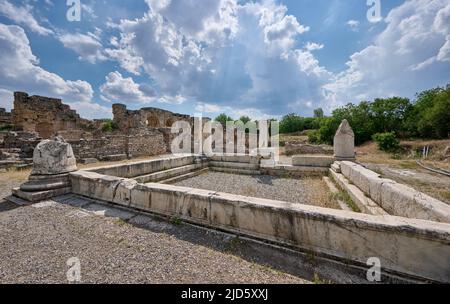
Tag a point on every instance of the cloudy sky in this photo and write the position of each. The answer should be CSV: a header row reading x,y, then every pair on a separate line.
x,y
258,58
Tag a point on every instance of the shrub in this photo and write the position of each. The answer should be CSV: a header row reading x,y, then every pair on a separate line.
x,y
109,126
6,128
387,141
314,137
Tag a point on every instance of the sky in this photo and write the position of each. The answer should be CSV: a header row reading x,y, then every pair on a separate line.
x,y
262,58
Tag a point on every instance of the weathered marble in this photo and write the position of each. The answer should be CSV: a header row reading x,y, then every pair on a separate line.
x,y
52,157
344,142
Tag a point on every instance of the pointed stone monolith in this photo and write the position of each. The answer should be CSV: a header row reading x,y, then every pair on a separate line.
x,y
344,142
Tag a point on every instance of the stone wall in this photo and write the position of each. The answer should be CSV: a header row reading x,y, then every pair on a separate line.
x,y
44,115
148,143
397,199
145,118
5,117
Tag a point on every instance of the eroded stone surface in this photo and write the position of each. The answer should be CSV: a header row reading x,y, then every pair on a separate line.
x,y
53,157
344,142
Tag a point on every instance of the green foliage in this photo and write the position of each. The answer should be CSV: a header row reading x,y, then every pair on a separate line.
x,y
432,114
109,126
294,123
291,123
245,119
314,136
6,128
387,141
318,113
223,118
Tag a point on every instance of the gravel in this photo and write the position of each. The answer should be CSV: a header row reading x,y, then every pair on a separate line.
x,y
308,191
36,242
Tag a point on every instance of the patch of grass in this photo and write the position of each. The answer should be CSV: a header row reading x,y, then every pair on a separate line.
x,y
318,280
120,222
176,221
408,165
232,244
311,257
345,197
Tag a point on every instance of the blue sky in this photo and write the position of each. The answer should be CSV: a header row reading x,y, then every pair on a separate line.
x,y
258,58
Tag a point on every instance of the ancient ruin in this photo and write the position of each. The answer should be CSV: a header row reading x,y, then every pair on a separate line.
x,y
144,132
53,160
364,215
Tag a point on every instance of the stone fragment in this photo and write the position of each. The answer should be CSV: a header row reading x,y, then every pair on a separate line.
x,y
52,157
52,162
344,142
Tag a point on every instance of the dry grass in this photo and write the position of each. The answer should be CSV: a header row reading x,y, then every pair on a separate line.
x,y
11,179
369,153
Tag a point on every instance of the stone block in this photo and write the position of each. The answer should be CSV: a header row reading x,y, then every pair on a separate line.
x,y
313,160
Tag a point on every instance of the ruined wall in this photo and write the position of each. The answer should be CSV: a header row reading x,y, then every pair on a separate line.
x,y
5,117
144,132
100,148
145,118
149,143
44,115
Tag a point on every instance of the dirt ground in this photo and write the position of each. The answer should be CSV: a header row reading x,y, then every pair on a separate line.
x,y
117,246
403,168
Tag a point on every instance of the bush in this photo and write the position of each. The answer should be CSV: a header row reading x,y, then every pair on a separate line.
x,y
6,128
291,123
109,126
387,141
314,137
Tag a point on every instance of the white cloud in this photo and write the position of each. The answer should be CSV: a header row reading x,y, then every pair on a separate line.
x,y
90,110
22,15
312,46
221,52
6,99
19,69
354,25
87,46
120,89
409,53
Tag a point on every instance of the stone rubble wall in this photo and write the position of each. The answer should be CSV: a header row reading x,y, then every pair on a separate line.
x,y
395,198
5,117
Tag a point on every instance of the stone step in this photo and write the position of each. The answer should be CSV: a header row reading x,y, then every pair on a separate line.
x,y
335,190
236,158
336,167
313,160
235,171
184,176
234,165
364,203
166,174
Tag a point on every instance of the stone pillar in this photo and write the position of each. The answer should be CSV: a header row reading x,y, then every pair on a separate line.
x,y
344,142
53,160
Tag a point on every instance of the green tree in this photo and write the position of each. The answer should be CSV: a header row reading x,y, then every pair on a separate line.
x,y
292,123
318,113
389,114
245,119
223,118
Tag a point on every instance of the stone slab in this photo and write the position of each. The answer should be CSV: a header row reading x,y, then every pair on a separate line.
x,y
313,160
39,196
